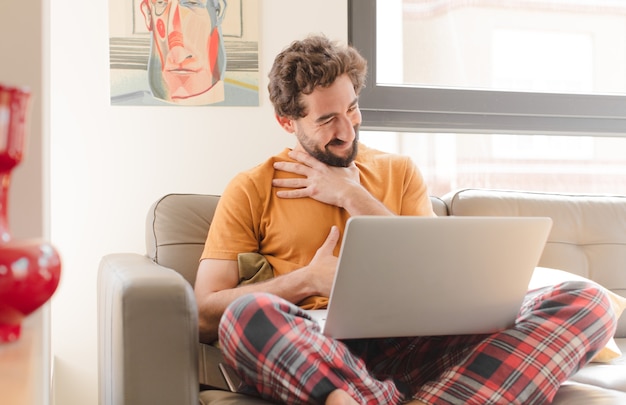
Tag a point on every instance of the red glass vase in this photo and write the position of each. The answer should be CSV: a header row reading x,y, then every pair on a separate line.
x,y
30,269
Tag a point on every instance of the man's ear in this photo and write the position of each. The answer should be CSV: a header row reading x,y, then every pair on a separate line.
x,y
287,123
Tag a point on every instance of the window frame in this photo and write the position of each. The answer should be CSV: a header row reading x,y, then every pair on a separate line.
x,y
426,109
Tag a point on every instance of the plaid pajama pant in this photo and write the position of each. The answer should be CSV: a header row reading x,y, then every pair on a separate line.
x,y
282,356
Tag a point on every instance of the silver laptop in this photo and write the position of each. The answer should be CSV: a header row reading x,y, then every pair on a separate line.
x,y
421,276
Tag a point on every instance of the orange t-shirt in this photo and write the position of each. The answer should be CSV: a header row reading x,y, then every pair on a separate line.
x,y
251,218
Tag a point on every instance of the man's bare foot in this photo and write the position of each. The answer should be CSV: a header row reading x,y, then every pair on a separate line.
x,y
340,397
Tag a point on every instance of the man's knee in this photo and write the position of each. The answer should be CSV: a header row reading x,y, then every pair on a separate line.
x,y
244,309
591,305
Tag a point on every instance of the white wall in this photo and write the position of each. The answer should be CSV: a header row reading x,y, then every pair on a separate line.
x,y
108,164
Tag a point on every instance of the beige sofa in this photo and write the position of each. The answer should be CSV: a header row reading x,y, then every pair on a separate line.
x,y
147,318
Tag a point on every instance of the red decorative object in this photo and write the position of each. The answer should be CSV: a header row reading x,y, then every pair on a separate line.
x,y
29,269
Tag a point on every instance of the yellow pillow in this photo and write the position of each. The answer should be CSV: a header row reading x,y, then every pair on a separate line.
x,y
543,277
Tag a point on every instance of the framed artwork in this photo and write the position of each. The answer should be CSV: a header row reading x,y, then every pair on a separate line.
x,y
184,52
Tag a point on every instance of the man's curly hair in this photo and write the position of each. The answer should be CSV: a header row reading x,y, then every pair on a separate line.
x,y
309,63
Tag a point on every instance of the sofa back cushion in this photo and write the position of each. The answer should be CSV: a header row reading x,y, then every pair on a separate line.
x,y
176,229
177,226
588,235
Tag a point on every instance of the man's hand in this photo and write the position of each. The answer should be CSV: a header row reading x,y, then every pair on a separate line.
x,y
327,184
323,266
338,186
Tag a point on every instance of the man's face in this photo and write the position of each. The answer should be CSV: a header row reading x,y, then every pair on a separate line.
x,y
330,130
187,50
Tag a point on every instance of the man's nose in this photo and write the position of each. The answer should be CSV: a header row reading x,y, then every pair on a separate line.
x,y
346,128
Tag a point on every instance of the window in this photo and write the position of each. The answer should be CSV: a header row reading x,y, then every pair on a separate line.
x,y
522,94
567,164
443,65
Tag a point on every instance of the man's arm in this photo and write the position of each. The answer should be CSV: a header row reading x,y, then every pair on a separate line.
x,y
338,186
217,280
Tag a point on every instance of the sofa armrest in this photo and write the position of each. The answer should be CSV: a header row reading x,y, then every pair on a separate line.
x,y
148,334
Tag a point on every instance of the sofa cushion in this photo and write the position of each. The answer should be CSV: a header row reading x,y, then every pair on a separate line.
x,y
439,206
587,236
176,229
229,398
573,393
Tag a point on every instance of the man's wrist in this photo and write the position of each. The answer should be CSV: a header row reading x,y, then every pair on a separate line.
x,y
359,201
299,284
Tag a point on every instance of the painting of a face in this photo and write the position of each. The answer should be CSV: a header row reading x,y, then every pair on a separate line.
x,y
187,57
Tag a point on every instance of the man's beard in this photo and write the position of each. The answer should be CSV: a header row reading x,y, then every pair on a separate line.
x,y
329,158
